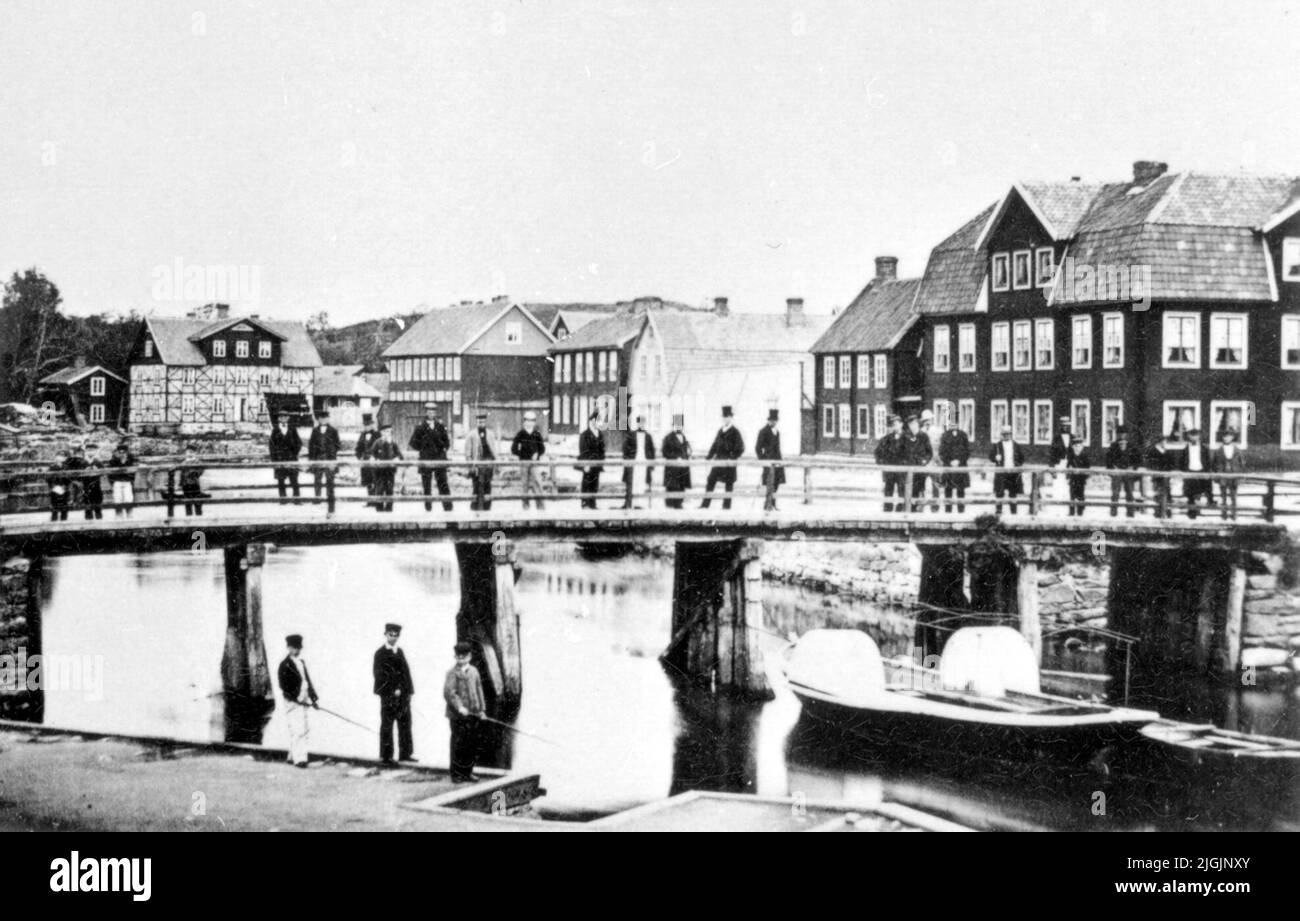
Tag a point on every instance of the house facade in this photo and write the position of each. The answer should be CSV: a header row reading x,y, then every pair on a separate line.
x,y
85,395
210,371
1164,302
465,358
867,365
344,392
590,369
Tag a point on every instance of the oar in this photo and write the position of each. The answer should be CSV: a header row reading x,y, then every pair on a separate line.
x,y
346,719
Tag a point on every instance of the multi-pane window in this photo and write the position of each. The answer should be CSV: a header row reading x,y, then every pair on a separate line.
x,y
846,372
1042,422
1229,414
148,348
97,385
942,413
1001,272
882,373
1227,340
942,346
1291,342
1020,269
864,421
881,420
1291,425
514,333
577,368
602,366
218,348
190,375
591,366
241,348
828,420
1020,421
613,366
1112,417
1045,267
557,408
828,372
187,404
1081,341
455,368
1000,350
846,421
96,413
568,368
864,372
966,417
1022,344
966,347
263,348
1291,259
1112,340
998,417
1044,344
1081,419
1182,340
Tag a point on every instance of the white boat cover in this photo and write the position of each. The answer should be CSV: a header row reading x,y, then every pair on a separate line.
x,y
842,663
989,661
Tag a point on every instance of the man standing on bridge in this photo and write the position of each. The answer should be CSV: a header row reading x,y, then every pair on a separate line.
x,y
768,448
637,446
728,445
384,478
889,453
591,447
299,694
364,446
323,445
677,479
431,441
463,691
394,686
529,446
478,448
285,446
1006,454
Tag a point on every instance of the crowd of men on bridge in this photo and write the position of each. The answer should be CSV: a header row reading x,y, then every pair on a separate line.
x,y
937,467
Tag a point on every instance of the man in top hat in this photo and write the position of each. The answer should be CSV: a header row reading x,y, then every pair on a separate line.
x,y
369,436
394,686
1077,459
285,446
299,694
1228,458
529,446
1006,454
640,447
591,447
1160,461
431,442
728,445
954,454
479,448
916,452
1196,460
384,477
889,453
463,691
1123,455
677,478
323,445
767,447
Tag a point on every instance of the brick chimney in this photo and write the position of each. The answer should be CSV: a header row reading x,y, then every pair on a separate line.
x,y
501,300
720,307
794,311
79,361
643,304
886,268
1146,172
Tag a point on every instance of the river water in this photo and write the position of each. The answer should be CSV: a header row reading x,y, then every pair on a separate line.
x,y
607,728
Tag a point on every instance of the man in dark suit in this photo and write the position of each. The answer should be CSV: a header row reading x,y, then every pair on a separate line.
x,y
384,478
394,686
1005,455
1059,451
1196,460
1160,461
529,446
916,451
299,694
1123,456
637,446
591,447
728,445
364,445
677,479
767,447
1077,459
954,452
1228,458
431,442
323,445
889,453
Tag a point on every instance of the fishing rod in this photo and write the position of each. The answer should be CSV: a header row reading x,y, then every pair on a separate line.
x,y
488,719
345,719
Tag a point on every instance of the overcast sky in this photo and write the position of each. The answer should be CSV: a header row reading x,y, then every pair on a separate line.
x,y
366,158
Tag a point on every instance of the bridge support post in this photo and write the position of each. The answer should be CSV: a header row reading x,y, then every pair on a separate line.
x,y
21,581
1031,627
489,620
246,686
717,600
1230,654
940,595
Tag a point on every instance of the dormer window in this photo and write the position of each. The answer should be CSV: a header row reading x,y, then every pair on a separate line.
x,y
218,348
1020,270
1001,272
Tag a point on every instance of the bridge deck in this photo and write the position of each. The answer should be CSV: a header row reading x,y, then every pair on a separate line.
x,y
310,527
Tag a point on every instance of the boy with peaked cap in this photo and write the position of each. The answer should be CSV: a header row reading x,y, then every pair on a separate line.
x,y
384,477
285,445
395,689
591,447
529,446
677,479
431,442
768,448
728,445
299,694
1228,458
637,446
369,436
463,691
889,453
478,448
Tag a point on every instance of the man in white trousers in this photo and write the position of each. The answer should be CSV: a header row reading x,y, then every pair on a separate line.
x,y
299,694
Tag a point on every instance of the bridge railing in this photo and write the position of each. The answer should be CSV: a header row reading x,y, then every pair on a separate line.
x,y
1034,490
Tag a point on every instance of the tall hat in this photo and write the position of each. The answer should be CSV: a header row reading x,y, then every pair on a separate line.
x,y
773,415
726,412
679,419
294,640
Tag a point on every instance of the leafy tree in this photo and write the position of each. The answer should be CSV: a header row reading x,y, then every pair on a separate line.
x,y
35,338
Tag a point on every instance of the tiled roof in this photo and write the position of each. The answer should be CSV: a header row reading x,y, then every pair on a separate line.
x,y
173,337
448,330
738,332
875,320
72,374
1063,203
343,381
607,333
954,274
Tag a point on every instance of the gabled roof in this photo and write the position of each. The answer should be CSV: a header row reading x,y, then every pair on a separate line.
x,y
174,338
213,328
954,274
452,330
705,339
343,381
875,320
73,374
610,332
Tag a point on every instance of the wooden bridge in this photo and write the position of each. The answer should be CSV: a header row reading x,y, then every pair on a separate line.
x,y
1162,568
